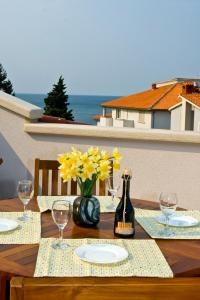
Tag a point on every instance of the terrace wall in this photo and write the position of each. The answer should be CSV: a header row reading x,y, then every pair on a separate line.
x,y
161,160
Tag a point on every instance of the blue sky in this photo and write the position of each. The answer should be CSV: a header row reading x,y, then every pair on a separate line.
x,y
102,47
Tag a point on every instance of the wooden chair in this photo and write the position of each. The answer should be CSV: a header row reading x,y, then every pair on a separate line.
x,y
104,288
44,167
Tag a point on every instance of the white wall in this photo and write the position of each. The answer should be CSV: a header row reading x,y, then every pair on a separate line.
x,y
157,165
161,119
128,114
196,119
176,118
114,113
104,121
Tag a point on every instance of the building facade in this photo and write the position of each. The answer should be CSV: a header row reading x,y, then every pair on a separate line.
x,y
173,104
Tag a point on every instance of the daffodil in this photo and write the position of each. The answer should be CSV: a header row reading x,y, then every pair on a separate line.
x,y
93,151
73,173
84,175
65,176
104,169
62,158
116,154
95,158
105,155
87,167
116,165
84,159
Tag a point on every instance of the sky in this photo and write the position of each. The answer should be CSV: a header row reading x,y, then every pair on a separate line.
x,y
101,47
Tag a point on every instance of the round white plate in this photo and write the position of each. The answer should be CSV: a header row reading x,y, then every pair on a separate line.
x,y
101,253
178,221
7,224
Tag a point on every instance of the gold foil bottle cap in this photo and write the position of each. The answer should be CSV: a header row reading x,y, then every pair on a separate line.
x,y
127,173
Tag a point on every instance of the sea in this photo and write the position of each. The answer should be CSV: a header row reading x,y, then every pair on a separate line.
x,y
84,107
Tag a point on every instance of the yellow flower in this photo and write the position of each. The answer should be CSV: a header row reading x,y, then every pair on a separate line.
x,y
62,158
93,151
84,158
73,173
65,175
104,166
74,164
116,154
104,169
65,165
105,155
116,165
84,175
74,160
89,168
95,158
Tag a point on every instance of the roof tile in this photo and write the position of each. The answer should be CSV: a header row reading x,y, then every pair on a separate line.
x,y
161,98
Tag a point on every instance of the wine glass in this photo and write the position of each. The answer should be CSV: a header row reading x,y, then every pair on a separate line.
x,y
25,193
61,213
168,204
113,184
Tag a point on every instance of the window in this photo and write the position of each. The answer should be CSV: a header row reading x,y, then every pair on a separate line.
x,y
141,118
118,113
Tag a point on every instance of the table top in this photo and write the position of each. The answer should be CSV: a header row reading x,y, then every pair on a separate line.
x,y
183,256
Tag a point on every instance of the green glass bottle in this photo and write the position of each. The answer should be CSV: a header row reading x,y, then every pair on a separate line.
x,y
124,225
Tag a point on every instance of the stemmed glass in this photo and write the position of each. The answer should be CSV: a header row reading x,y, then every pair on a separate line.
x,y
113,184
168,204
61,213
25,193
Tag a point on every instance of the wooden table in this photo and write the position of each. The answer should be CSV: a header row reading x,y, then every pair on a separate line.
x,y
183,257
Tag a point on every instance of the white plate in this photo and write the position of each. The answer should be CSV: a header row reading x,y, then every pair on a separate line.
x,y
101,253
178,221
7,225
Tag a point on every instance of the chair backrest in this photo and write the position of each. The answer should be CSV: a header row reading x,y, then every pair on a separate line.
x,y
45,167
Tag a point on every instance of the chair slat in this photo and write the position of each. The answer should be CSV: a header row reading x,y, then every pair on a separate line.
x,y
54,187
102,188
73,187
63,188
45,180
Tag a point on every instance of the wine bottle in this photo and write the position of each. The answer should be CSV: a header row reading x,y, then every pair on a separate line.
x,y
124,225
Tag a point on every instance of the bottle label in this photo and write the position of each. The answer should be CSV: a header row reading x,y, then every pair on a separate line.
x,y
124,228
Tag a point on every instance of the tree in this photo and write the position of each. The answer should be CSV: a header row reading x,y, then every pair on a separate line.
x,y
5,83
56,103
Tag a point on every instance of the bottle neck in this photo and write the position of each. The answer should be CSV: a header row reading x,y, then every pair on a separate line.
x,y
126,189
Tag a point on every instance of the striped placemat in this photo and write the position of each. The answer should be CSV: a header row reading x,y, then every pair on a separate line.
x,y
146,218
145,260
26,233
45,202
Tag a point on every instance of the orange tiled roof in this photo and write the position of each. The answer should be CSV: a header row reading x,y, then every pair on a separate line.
x,y
170,99
194,98
161,98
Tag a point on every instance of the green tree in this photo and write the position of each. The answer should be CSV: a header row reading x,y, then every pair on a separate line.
x,y
5,83
56,103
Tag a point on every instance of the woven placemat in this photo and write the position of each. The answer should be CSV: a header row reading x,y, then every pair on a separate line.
x,y
26,233
45,202
146,218
145,260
